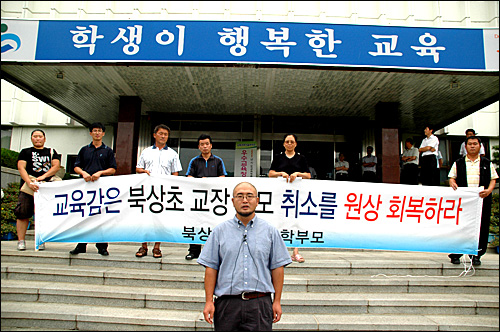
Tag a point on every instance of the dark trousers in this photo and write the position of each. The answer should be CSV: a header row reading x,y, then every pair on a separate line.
x,y
236,314
429,175
195,249
341,177
409,174
485,229
369,176
99,246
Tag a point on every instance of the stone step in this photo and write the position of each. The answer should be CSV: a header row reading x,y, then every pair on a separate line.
x,y
170,278
101,318
318,262
333,289
292,302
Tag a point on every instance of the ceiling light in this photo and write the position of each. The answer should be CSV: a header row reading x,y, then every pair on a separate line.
x,y
60,75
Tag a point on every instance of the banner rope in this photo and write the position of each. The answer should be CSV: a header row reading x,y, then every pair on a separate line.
x,y
465,259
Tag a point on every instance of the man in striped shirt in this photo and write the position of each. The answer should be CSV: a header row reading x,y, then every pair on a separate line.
x,y
475,171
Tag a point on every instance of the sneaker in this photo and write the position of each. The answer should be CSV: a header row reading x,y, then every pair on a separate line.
x,y
41,246
21,245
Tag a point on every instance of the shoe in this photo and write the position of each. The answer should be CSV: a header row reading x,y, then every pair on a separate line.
x,y
157,253
21,245
103,252
476,260
141,252
455,260
78,250
191,256
41,246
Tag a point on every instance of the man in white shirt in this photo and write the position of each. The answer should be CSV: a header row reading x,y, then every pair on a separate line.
x,y
369,166
463,150
158,159
429,175
341,169
409,173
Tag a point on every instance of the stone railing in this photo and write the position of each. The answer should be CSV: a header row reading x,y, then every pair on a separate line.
x,y
9,175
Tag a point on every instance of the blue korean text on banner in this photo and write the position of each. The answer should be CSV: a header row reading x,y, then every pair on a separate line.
x,y
308,213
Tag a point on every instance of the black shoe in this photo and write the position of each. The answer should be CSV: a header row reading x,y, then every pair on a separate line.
x,y
103,252
455,260
476,260
191,256
78,250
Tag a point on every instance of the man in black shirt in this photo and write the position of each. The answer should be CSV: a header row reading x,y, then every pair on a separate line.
x,y
36,162
203,166
93,161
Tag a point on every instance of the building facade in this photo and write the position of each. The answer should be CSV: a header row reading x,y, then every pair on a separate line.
x,y
321,137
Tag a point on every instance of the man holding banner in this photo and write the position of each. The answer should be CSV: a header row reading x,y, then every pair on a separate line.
x,y
36,163
244,261
203,166
475,171
158,159
93,161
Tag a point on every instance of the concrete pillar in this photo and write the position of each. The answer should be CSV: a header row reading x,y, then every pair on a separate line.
x,y
387,141
127,135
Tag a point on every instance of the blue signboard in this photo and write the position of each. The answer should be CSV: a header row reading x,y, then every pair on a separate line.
x,y
255,42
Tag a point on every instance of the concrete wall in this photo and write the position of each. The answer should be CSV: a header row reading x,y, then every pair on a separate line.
x,y
485,123
474,14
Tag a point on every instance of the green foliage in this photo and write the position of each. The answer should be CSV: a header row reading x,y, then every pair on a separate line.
x,y
494,220
9,202
496,157
9,158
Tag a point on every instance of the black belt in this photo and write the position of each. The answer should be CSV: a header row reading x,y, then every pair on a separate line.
x,y
246,295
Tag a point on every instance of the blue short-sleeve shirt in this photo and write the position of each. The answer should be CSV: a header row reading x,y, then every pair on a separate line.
x,y
244,256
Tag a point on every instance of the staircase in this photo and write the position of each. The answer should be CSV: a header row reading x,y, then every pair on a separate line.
x,y
333,290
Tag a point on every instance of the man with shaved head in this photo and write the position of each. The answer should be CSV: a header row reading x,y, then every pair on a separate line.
x,y
244,260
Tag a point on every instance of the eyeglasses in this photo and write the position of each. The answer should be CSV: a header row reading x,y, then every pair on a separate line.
x,y
249,197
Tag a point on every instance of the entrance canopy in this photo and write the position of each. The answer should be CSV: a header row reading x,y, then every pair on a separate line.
x,y
82,68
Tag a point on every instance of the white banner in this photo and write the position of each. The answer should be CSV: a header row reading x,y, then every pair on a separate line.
x,y
308,213
245,156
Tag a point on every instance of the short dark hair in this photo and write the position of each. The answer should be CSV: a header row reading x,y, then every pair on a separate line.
x,y
369,147
203,137
410,140
39,131
473,137
470,130
162,126
428,125
239,184
97,125
286,135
